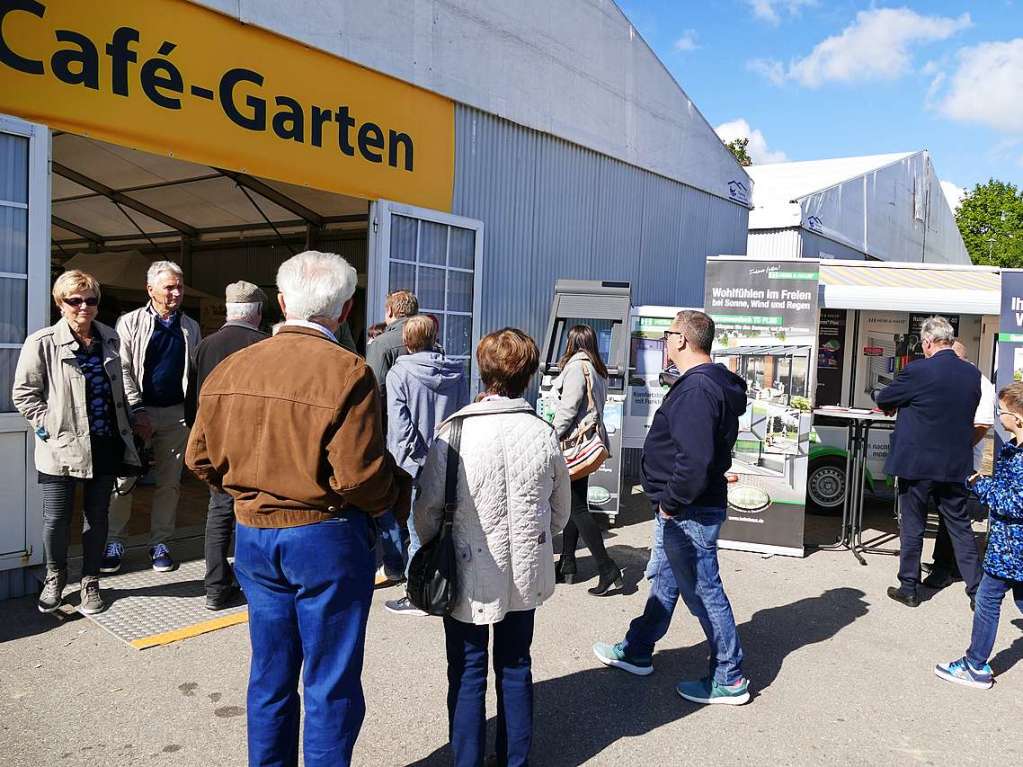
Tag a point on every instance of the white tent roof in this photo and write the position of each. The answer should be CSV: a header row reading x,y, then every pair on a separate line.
x,y
778,187
125,271
889,207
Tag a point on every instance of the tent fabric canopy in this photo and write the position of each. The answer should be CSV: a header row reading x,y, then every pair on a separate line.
x,y
910,287
124,270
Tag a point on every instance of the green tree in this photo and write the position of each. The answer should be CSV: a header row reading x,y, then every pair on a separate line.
x,y
737,147
990,220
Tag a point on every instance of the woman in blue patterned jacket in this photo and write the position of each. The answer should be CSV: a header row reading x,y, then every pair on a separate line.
x,y
1003,563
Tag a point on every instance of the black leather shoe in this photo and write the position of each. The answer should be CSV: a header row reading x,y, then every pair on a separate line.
x,y
612,576
229,597
938,580
904,597
564,571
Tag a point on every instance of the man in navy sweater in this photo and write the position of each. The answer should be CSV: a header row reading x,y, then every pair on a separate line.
x,y
931,453
685,457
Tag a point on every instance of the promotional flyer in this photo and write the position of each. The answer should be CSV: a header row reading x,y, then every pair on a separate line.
x,y
765,314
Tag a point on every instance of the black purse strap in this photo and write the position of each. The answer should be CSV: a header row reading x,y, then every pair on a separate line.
x,y
451,483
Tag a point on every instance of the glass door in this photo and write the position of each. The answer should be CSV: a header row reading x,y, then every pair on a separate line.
x,y
437,256
24,285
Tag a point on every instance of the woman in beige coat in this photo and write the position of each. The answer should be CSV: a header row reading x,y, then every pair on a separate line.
x,y
67,385
513,497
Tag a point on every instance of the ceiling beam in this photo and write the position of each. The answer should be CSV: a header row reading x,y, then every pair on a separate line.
x,y
354,218
81,231
273,195
141,187
124,200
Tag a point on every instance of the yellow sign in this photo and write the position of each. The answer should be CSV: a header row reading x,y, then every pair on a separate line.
x,y
172,78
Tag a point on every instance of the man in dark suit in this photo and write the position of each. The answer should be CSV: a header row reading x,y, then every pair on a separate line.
x,y
931,455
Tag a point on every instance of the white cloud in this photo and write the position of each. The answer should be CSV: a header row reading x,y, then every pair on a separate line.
x,y
758,150
687,42
954,194
987,86
876,46
771,70
771,10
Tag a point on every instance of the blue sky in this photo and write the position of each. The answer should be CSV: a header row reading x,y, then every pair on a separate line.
x,y
814,79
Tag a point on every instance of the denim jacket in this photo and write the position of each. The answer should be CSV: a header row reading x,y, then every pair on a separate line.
x,y
1003,495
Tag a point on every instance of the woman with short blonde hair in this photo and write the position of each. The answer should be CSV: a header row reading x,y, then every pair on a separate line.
x,y
65,370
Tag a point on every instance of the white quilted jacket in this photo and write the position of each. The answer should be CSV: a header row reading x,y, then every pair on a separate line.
x,y
513,497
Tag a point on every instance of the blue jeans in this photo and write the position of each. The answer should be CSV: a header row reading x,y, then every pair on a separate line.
x,y
467,689
686,565
309,590
985,618
391,542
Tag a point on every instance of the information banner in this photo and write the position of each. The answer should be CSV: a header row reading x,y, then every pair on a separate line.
x,y
1010,334
830,356
766,318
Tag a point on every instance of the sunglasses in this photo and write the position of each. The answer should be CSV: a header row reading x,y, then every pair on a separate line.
x,y
668,333
76,302
1000,411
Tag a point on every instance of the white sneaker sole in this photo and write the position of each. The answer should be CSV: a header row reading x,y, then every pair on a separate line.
x,y
109,570
943,674
163,568
737,700
624,665
410,613
92,611
48,610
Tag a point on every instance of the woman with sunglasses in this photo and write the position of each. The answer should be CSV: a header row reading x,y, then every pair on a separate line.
x,y
582,386
68,387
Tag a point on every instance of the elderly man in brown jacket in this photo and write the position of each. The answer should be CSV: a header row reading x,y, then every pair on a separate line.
x,y
290,428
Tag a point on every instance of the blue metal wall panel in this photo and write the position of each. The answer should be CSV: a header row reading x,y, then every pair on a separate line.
x,y
553,209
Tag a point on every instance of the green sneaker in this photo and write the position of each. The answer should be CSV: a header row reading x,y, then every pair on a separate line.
x,y
614,655
708,691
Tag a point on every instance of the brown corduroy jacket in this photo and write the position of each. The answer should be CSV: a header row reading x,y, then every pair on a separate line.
x,y
291,429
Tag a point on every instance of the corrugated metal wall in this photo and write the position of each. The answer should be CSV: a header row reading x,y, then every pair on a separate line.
x,y
796,243
553,209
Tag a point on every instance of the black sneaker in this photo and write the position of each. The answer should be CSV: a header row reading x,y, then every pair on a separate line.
x,y
403,607
112,558
53,591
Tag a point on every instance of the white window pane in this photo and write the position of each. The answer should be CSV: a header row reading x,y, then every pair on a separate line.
x,y
13,311
430,290
433,243
403,238
8,361
402,277
458,340
463,248
459,291
13,240
13,168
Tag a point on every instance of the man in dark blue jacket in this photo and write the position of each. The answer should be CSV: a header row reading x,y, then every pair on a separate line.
x,y
931,453
685,457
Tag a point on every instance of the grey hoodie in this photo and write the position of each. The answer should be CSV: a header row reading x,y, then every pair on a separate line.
x,y
423,389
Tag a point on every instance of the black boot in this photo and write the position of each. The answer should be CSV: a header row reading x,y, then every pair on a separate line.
x,y
610,575
564,570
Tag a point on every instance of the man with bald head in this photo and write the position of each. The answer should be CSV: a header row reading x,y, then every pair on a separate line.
x,y
944,571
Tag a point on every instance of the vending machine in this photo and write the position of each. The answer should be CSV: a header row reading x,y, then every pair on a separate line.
x,y
604,306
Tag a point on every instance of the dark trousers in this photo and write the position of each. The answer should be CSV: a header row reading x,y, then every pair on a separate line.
x,y
309,590
582,523
219,535
944,556
950,499
58,505
467,689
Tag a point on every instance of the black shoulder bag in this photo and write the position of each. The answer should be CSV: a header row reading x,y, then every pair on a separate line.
x,y
433,573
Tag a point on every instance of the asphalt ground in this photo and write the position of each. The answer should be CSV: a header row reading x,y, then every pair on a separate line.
x,y
841,675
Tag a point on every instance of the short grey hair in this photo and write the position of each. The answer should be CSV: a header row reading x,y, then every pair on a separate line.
x,y
316,285
159,267
249,311
937,330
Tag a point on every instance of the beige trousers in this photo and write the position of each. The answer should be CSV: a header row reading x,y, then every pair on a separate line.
x,y
170,435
